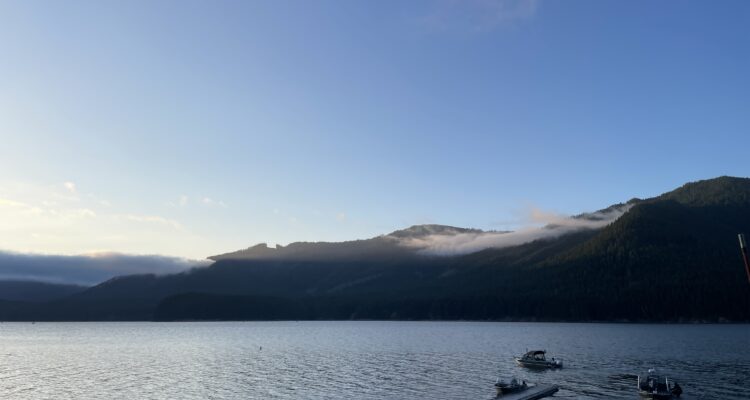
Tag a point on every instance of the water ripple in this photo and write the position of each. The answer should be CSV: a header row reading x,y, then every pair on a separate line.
x,y
362,360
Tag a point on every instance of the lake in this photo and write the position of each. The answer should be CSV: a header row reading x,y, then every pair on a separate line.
x,y
360,360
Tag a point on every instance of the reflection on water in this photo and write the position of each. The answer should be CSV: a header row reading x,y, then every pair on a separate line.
x,y
362,360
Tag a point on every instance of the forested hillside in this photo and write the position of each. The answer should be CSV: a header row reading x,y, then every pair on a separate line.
x,y
674,257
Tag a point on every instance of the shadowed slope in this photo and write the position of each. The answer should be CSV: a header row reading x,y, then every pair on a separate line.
x,y
669,258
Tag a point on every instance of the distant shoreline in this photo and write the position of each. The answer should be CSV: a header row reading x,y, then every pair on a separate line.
x,y
395,320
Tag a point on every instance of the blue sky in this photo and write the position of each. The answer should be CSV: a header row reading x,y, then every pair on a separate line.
x,y
195,128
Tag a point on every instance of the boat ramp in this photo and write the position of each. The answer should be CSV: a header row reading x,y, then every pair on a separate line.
x,y
532,393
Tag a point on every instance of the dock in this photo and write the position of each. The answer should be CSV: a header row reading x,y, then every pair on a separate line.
x,y
532,393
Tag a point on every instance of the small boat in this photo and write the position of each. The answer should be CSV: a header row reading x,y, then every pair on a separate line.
x,y
656,387
514,386
537,359
526,391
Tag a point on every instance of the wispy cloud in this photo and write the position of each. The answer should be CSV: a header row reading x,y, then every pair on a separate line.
x,y
47,209
13,203
83,213
88,269
70,186
182,201
213,203
153,219
67,219
478,15
553,226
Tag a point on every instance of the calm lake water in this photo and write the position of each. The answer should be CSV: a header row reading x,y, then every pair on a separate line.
x,y
360,360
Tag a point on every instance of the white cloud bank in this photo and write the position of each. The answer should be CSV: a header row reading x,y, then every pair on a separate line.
x,y
554,225
88,269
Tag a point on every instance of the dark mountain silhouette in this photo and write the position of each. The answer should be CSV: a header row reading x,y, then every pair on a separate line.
x,y
381,248
673,257
36,291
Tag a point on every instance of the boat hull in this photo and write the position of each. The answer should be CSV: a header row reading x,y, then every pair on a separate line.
x,y
655,396
510,389
537,364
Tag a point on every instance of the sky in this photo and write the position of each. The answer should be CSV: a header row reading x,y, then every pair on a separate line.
x,y
193,128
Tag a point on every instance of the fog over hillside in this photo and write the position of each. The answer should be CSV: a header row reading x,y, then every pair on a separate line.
x,y
418,240
470,241
89,269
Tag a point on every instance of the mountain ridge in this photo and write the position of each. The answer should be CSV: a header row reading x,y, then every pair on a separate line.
x,y
673,257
